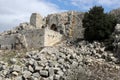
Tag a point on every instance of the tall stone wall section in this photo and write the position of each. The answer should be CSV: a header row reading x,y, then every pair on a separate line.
x,y
33,38
51,37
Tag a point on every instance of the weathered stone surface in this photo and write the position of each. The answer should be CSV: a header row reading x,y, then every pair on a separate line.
x,y
51,71
38,68
27,74
36,20
15,73
33,38
16,68
13,60
24,26
30,68
67,23
56,77
36,74
51,37
19,78
44,73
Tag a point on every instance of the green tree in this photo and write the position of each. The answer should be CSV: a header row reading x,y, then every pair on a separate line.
x,y
98,25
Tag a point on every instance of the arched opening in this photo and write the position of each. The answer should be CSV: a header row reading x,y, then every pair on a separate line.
x,y
43,26
53,27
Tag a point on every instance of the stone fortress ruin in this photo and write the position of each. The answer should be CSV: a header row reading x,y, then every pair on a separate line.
x,y
42,32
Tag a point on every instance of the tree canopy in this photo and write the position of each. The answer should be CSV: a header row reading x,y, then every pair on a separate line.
x,y
98,25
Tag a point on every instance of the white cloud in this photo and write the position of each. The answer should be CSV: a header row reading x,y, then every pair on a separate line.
x,y
13,12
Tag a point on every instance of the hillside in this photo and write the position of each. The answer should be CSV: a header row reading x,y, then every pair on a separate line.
x,y
54,48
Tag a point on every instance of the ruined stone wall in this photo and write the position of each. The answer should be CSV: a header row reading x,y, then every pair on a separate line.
x,y
30,39
77,26
33,38
6,41
12,41
36,34
68,24
51,37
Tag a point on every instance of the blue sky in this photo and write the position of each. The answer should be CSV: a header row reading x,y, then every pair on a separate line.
x,y
13,12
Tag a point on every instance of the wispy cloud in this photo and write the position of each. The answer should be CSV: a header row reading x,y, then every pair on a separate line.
x,y
13,12
110,3
86,4
83,4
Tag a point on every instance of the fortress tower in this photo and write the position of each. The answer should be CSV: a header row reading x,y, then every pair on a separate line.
x,y
36,20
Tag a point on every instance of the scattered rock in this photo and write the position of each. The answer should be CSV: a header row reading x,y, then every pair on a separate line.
x,y
27,74
44,73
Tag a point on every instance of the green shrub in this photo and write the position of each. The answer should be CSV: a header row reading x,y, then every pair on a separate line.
x,y
98,25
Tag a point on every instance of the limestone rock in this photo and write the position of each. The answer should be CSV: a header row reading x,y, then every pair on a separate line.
x,y
36,20
15,73
16,68
44,73
13,60
27,74
67,23
36,74
19,78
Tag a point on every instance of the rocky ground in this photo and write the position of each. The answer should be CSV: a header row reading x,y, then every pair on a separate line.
x,y
66,61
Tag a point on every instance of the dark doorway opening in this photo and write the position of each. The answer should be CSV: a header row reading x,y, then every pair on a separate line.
x,y
53,27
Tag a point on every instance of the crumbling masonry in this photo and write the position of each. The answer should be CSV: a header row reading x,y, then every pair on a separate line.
x,y
42,32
